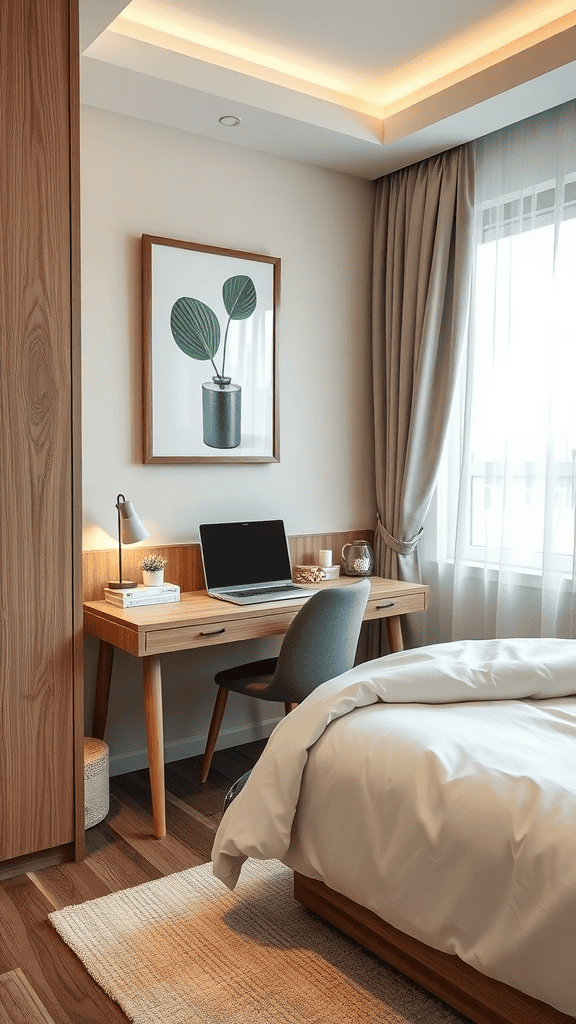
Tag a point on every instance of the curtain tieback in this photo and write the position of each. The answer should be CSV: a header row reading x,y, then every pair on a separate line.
x,y
401,547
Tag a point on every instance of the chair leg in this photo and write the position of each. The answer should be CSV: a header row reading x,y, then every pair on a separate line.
x,y
289,706
214,731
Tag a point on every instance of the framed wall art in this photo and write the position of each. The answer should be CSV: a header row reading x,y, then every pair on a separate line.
x,y
209,353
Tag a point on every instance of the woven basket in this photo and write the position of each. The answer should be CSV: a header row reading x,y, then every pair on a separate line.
x,y
307,574
96,781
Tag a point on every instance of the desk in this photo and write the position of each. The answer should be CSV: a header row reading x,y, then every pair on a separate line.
x,y
201,621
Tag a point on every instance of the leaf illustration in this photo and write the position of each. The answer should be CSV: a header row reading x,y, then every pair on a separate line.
x,y
239,295
195,328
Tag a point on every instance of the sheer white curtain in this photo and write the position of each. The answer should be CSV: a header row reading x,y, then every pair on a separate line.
x,y
501,558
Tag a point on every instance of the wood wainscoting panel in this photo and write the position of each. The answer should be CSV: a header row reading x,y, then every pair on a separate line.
x,y
304,548
184,567
185,561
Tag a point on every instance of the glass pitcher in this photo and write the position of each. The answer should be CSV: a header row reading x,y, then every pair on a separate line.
x,y
357,559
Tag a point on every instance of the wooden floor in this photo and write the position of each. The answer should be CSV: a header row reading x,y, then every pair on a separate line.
x,y
41,980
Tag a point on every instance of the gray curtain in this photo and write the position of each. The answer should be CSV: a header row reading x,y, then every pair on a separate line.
x,y
421,297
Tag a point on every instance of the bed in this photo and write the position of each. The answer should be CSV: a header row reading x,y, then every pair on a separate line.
x,y
426,802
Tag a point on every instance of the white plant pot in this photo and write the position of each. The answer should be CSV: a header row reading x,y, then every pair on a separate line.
x,y
153,577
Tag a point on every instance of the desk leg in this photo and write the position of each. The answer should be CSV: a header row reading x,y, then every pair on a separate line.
x,y
103,677
394,633
155,739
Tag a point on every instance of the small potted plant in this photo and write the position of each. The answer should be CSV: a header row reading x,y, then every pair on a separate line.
x,y
153,570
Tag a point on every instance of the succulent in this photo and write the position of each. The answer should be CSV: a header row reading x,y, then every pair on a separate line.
x,y
153,563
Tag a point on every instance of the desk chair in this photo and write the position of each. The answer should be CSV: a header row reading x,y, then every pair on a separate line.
x,y
319,644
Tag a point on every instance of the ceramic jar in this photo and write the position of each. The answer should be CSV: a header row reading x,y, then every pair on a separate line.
x,y
153,577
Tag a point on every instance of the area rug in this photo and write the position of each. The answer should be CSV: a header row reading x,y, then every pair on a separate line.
x,y
185,950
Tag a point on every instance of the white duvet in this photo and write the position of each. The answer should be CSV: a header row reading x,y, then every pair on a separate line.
x,y
436,787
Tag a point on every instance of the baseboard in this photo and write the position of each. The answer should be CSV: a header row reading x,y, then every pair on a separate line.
x,y
177,750
36,861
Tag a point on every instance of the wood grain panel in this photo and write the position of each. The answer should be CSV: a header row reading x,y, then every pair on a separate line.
x,y
304,548
184,567
76,398
185,561
102,629
36,485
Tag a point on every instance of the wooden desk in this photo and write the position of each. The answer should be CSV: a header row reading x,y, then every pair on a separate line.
x,y
201,621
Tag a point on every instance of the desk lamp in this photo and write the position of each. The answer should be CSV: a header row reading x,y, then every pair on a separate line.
x,y
130,530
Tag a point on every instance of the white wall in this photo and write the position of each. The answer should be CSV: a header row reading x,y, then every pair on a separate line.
x,y
139,178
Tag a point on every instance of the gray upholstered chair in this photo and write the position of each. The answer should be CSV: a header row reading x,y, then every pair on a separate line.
x,y
319,644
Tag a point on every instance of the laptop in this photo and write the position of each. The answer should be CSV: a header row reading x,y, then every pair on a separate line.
x,y
248,563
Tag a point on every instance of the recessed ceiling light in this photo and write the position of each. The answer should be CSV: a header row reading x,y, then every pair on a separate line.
x,y
229,120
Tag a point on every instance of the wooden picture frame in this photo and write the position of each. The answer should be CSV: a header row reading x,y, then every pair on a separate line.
x,y
210,353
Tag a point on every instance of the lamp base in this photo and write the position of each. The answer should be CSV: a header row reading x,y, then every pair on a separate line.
x,y
122,585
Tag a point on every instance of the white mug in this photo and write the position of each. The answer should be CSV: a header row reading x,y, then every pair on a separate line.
x,y
325,558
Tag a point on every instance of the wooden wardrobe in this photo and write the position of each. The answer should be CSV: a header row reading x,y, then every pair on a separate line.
x,y
41,716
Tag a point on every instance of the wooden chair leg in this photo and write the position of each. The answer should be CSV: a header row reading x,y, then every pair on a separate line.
x,y
289,706
214,731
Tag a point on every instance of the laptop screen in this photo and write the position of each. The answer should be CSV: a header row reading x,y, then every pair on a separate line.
x,y
236,554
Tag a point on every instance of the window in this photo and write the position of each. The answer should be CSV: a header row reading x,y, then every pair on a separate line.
x,y
507,485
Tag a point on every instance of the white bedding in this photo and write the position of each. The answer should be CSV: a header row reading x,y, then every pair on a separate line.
x,y
436,787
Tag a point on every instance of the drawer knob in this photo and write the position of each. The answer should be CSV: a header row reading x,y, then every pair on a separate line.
x,y
214,632
390,604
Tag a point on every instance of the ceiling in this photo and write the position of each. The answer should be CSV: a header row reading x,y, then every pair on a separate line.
x,y
360,86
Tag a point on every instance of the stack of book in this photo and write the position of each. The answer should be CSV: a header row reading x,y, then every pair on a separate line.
x,y
141,595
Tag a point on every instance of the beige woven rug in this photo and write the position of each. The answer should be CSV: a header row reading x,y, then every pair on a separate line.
x,y
185,950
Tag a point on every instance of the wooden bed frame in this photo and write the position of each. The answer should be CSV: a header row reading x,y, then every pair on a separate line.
x,y
482,999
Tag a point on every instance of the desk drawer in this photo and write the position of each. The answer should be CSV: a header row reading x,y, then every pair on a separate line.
x,y
182,638
382,607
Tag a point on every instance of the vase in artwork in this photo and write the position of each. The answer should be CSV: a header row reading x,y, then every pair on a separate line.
x,y
221,413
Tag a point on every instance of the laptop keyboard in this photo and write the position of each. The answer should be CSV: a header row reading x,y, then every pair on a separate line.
x,y
262,590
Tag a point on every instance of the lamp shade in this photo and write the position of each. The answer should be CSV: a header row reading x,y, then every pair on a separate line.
x,y
132,528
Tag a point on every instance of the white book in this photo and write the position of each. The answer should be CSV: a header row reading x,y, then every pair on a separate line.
x,y
137,600
142,591
164,588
